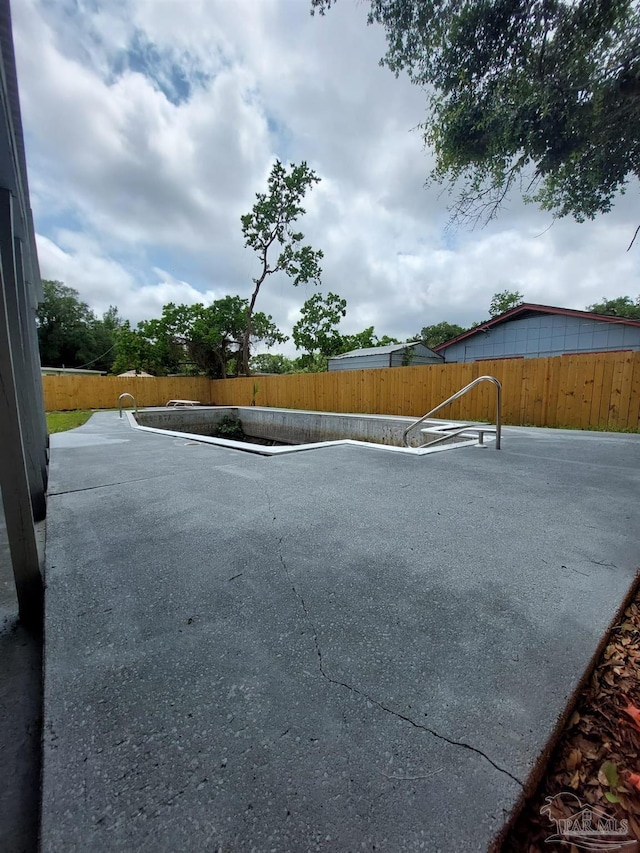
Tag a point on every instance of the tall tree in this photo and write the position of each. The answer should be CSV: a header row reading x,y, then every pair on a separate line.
x,y
195,338
106,333
545,93
316,332
269,229
505,301
622,306
70,334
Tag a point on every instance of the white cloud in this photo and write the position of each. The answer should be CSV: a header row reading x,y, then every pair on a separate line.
x,y
150,127
83,267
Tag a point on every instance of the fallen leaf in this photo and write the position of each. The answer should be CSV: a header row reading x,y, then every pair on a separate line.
x,y
634,713
634,779
575,718
574,759
611,773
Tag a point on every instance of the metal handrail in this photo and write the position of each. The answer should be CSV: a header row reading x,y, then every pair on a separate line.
x,y
456,396
135,405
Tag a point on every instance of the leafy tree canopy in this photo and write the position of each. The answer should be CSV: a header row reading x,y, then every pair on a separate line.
x,y
365,339
316,332
269,229
272,363
198,338
545,93
317,329
70,334
505,301
622,306
438,333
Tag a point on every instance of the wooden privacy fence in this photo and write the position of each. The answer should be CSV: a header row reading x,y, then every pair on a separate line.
x,y
62,393
590,391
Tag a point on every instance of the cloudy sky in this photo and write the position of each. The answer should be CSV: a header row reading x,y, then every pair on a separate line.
x,y
151,124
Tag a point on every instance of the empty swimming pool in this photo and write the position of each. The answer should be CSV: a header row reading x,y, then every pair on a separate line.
x,y
295,430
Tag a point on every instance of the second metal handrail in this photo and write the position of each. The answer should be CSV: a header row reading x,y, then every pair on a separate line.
x,y
456,396
135,405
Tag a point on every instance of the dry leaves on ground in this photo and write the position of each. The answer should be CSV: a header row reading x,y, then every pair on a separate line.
x,y
597,758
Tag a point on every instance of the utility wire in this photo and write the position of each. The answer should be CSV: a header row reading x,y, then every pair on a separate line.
x,y
96,359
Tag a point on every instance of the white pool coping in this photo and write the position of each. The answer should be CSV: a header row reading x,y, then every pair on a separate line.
x,y
248,447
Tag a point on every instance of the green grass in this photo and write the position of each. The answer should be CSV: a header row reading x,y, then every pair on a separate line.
x,y
62,421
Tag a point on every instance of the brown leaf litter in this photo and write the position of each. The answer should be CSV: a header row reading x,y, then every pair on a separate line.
x,y
597,758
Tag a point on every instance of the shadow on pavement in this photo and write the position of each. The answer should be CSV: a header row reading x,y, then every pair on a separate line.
x,y
20,718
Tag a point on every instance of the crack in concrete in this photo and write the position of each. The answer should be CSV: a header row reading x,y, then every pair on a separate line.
x,y
362,693
106,485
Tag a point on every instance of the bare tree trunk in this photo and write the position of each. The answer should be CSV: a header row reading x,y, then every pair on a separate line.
x,y
247,333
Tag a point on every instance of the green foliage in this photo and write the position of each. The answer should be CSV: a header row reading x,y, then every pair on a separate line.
x,y
62,421
316,332
231,427
204,339
622,306
311,363
504,301
438,333
610,772
365,339
272,363
269,229
540,93
70,334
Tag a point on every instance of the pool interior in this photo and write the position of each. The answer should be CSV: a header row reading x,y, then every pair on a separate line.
x,y
272,431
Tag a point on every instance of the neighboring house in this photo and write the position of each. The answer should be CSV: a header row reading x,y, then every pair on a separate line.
x,y
396,355
534,331
70,371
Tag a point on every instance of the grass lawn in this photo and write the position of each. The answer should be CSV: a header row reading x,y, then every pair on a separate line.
x,y
61,421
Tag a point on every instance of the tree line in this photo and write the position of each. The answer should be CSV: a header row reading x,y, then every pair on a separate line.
x,y
211,340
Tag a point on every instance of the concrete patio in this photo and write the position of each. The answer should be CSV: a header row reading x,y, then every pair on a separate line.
x,y
20,717
335,650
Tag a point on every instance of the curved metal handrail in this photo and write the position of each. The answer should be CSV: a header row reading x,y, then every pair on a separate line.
x,y
135,405
456,396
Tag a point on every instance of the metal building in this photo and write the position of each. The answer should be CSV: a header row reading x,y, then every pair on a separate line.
x,y
396,355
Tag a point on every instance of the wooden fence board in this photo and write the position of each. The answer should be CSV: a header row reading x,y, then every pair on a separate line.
x,y
626,384
633,420
605,396
596,397
615,399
